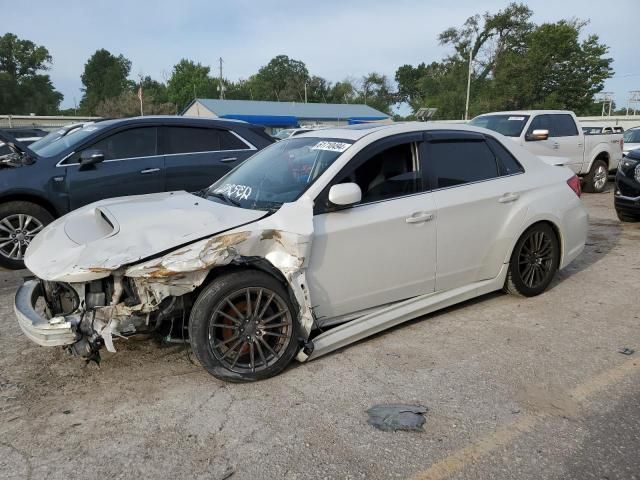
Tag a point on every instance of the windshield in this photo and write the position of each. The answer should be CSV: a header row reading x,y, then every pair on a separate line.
x,y
38,145
54,145
632,136
508,125
278,174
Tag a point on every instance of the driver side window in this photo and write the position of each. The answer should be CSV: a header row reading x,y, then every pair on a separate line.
x,y
132,143
392,172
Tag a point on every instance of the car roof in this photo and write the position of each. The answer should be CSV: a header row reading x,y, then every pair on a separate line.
x,y
356,132
170,120
526,112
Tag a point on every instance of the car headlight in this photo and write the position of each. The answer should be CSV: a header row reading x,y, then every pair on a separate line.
x,y
626,164
636,173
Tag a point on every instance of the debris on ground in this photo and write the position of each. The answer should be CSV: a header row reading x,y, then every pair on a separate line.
x,y
626,351
393,417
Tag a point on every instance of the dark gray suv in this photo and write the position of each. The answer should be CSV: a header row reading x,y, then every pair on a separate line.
x,y
112,158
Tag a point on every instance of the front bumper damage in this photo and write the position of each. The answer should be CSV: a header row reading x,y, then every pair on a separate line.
x,y
114,301
53,332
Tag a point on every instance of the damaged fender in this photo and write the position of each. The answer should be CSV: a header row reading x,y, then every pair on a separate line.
x,y
283,239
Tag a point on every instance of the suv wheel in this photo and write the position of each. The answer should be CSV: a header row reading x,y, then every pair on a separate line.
x,y
19,223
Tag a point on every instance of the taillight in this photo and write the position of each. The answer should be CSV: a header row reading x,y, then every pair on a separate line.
x,y
622,144
574,184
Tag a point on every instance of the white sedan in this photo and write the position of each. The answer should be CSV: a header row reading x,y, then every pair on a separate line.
x,y
311,244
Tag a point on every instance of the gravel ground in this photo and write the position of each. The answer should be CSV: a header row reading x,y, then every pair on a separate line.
x,y
515,388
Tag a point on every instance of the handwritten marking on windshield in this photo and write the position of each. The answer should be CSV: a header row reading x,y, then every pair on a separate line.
x,y
241,192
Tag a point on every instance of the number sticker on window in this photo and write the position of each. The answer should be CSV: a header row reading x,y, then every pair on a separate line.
x,y
331,146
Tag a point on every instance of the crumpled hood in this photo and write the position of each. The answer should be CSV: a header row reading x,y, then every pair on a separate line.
x,y
92,241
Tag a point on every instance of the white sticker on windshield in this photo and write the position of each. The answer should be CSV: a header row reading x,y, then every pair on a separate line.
x,y
331,146
90,129
241,192
519,119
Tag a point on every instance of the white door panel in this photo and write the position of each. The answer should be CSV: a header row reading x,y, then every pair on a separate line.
x,y
372,254
475,226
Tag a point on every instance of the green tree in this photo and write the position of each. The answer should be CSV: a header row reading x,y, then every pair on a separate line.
x,y
104,77
188,81
377,92
282,79
22,89
516,65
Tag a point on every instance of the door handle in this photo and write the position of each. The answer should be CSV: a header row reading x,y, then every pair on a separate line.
x,y
556,145
149,170
419,217
229,159
509,197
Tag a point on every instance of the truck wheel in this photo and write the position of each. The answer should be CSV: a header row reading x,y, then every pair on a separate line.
x,y
19,223
534,262
596,180
244,327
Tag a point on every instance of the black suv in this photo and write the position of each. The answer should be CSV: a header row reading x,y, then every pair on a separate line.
x,y
627,193
112,158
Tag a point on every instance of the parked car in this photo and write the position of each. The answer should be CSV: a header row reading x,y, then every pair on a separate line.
x,y
112,158
631,139
293,132
25,136
556,136
627,193
270,254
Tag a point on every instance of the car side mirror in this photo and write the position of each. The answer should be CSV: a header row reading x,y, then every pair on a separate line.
x,y
90,157
537,135
345,194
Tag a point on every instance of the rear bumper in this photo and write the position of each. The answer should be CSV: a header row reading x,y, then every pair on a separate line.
x,y
43,331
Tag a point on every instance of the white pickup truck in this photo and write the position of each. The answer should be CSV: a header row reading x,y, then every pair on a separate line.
x,y
557,137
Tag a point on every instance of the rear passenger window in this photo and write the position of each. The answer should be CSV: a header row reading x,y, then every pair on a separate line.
x,y
191,140
458,162
507,164
563,126
228,141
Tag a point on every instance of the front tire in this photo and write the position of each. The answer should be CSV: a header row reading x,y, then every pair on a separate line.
x,y
534,261
19,223
626,218
596,180
244,327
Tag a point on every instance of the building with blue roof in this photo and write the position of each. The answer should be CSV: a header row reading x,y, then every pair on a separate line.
x,y
279,115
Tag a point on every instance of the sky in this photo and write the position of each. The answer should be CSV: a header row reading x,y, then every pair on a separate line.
x,y
335,38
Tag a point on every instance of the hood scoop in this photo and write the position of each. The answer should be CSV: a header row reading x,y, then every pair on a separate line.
x,y
90,225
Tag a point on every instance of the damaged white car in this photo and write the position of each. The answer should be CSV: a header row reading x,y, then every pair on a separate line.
x,y
311,244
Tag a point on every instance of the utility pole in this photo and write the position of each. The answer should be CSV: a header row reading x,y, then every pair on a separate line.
x,y
305,92
466,105
140,96
221,85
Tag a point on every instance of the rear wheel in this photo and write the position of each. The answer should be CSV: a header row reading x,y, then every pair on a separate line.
x,y
19,223
534,261
244,327
596,180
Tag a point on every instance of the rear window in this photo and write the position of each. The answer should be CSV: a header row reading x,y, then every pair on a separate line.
x,y
461,161
191,140
508,125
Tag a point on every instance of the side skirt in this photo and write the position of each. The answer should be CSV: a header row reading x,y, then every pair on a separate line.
x,y
397,313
